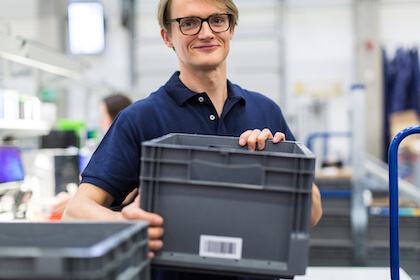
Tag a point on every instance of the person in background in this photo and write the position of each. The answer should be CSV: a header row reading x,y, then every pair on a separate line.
x,y
109,108
197,99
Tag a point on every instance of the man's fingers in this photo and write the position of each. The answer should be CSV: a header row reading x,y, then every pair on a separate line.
x,y
155,245
255,139
279,136
243,139
252,139
262,137
155,232
134,212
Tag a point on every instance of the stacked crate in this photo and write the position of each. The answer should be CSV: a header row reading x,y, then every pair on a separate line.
x,y
74,251
331,242
409,236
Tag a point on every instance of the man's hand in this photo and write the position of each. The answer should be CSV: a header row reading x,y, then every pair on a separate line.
x,y
155,230
255,139
60,202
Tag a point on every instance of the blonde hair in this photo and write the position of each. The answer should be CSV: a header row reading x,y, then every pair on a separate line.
x,y
164,7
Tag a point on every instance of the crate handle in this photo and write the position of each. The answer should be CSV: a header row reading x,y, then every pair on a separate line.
x,y
251,174
229,147
393,199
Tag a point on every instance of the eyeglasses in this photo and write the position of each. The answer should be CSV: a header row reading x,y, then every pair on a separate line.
x,y
192,25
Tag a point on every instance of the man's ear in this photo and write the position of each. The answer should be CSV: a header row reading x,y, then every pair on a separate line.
x,y
232,31
166,39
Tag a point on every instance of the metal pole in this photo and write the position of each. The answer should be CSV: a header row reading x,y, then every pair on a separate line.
x,y
359,216
393,199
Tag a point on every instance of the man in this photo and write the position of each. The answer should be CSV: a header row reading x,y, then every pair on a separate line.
x,y
197,99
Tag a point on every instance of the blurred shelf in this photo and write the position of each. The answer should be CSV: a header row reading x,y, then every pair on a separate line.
x,y
41,57
23,128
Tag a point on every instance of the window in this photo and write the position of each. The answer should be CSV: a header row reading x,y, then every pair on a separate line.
x,y
86,27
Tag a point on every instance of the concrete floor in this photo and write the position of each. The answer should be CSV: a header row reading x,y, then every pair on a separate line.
x,y
350,273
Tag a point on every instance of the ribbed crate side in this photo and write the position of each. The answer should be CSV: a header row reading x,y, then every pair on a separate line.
x,y
172,170
301,214
228,205
138,272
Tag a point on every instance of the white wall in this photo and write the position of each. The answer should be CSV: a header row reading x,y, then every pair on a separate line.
x,y
319,49
320,60
399,22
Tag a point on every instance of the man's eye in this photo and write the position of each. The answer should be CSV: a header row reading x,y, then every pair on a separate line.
x,y
189,23
218,20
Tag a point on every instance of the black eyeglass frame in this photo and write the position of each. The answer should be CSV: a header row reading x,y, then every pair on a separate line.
x,y
201,24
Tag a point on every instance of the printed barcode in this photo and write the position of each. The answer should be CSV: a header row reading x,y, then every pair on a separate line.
x,y
220,247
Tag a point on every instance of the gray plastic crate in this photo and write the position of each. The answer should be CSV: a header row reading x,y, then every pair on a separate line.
x,y
378,227
378,255
227,210
333,184
336,204
332,227
336,195
331,253
83,250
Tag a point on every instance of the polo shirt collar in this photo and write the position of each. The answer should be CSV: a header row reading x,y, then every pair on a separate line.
x,y
181,94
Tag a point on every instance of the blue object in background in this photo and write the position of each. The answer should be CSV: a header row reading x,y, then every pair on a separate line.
x,y
401,87
11,167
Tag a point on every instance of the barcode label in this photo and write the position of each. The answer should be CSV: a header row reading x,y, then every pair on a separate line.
x,y
220,247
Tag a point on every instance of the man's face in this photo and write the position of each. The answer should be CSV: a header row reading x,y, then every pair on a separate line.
x,y
206,50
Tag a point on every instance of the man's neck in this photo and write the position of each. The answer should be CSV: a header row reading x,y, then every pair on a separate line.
x,y
213,82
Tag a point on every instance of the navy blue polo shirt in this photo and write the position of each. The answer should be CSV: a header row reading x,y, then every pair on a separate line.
x,y
115,165
173,108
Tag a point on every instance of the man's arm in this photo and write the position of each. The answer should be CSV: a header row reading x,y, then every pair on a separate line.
x,y
316,208
90,203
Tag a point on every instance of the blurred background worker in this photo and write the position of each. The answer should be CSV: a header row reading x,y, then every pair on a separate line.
x,y
110,107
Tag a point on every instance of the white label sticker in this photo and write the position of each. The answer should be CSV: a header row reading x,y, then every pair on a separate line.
x,y
220,247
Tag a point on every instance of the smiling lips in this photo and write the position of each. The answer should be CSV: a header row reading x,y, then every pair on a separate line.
x,y
206,47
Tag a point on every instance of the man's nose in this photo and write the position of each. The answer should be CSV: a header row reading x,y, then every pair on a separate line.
x,y
205,30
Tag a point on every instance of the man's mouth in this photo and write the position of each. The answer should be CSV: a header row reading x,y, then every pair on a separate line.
x,y
206,47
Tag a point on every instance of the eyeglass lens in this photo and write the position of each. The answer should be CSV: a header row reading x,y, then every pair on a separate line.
x,y
192,25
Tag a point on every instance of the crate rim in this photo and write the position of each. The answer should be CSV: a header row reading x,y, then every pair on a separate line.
x,y
97,249
307,154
